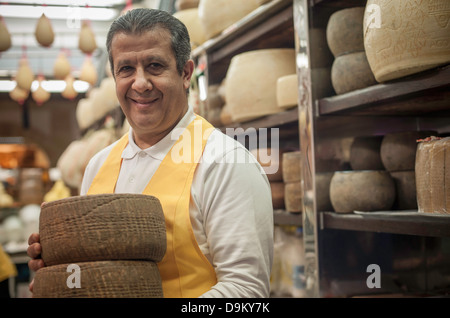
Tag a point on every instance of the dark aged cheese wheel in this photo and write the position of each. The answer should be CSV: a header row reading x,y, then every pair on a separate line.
x,y
351,72
277,189
101,279
433,175
292,166
293,197
102,227
345,31
405,189
398,150
365,190
365,153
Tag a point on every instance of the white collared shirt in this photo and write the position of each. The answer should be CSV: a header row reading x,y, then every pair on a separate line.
x,y
230,209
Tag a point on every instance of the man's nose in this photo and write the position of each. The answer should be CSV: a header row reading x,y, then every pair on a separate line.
x,y
142,81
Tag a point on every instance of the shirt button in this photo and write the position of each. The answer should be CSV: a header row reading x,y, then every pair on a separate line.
x,y
131,180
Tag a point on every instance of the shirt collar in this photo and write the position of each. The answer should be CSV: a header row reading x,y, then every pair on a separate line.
x,y
162,147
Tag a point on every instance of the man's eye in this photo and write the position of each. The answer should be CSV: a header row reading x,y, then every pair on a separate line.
x,y
155,66
124,69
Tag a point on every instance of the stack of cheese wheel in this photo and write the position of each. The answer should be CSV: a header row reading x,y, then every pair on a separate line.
x,y
252,82
192,22
350,70
115,240
398,154
269,159
432,169
292,178
406,37
365,153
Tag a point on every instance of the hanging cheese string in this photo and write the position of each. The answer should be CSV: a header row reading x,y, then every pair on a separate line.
x,y
40,95
25,75
88,71
61,67
44,31
5,37
69,92
86,41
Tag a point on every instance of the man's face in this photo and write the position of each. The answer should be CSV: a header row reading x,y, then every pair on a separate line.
x,y
150,90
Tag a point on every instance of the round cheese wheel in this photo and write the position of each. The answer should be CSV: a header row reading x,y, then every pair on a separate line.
x,y
293,197
365,153
252,80
84,113
432,172
398,150
44,31
68,164
103,279
292,166
351,72
225,116
192,22
345,31
217,15
405,189
403,37
102,227
277,189
5,36
365,190
287,91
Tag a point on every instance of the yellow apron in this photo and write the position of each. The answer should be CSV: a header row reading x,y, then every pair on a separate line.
x,y
185,271
7,267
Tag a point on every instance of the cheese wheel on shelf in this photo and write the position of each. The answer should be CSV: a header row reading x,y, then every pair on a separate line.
x,y
191,20
351,72
432,170
102,279
398,150
293,197
252,82
364,190
405,188
365,153
406,37
292,166
287,91
345,31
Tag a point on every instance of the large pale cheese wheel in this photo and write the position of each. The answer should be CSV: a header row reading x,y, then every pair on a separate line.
x,y
277,190
345,31
103,279
398,150
293,197
292,163
364,190
104,98
44,31
95,142
406,37
61,67
5,36
432,171
270,162
287,91
217,15
351,72
102,227
365,153
68,164
192,22
405,188
252,82
84,113
225,116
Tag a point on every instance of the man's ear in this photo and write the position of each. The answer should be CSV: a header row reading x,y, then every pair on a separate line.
x,y
188,70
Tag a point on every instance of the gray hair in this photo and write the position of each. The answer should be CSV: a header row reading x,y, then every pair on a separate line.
x,y
139,21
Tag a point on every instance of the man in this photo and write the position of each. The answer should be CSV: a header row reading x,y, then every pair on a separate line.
x,y
215,197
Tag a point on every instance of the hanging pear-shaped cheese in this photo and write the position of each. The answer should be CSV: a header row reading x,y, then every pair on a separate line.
x,y
61,68
86,41
40,95
19,95
25,75
44,31
88,71
5,37
69,92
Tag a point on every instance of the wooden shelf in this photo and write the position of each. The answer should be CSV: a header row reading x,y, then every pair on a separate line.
x,y
282,217
421,94
394,222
